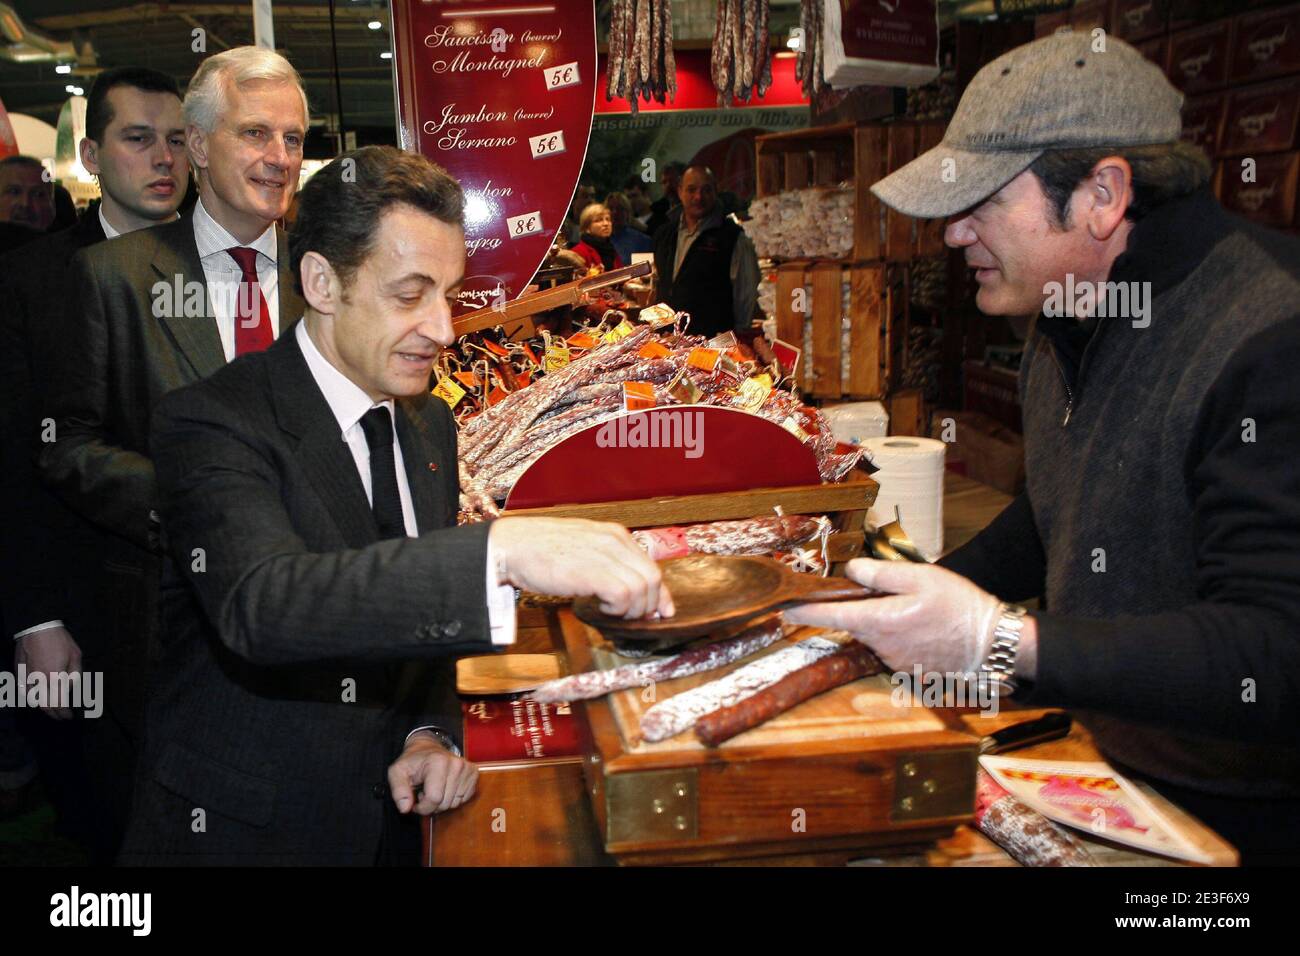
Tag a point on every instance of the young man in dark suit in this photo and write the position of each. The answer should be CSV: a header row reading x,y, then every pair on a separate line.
x,y
160,308
135,145
317,585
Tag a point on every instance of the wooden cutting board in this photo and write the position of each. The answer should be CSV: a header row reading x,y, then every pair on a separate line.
x,y
861,709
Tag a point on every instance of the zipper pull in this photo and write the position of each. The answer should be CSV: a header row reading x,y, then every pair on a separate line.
x,y
1069,407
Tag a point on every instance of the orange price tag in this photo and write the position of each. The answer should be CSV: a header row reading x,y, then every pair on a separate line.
x,y
496,349
496,395
580,340
706,360
468,379
638,396
652,350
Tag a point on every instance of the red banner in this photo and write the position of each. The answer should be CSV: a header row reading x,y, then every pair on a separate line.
x,y
500,95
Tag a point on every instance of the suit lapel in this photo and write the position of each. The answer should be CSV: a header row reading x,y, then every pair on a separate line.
x,y
420,458
302,411
176,261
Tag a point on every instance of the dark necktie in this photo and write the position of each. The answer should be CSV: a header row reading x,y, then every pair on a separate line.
x,y
252,317
385,500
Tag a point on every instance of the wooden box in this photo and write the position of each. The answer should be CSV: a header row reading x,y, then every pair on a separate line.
x,y
1261,118
1266,43
846,770
1271,198
1203,122
878,309
1198,58
1136,20
825,155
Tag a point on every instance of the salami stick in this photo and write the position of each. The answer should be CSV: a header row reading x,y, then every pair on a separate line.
x,y
1028,837
614,75
681,711
670,62
694,661
844,666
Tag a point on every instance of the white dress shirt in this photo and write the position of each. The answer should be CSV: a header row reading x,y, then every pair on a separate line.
x,y
109,231
224,277
349,403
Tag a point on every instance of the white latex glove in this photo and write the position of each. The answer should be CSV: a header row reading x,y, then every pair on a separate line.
x,y
930,616
572,557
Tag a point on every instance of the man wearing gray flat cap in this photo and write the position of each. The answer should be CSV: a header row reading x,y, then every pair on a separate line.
x,y
1160,523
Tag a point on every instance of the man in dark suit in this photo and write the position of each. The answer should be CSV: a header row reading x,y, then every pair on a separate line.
x,y
309,497
160,308
135,145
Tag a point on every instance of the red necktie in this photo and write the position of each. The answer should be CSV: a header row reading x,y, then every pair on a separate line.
x,y
252,330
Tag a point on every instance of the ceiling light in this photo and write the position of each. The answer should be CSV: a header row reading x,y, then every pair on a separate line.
x,y
63,68
375,25
386,55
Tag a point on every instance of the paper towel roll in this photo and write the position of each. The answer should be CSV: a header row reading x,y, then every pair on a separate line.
x,y
911,480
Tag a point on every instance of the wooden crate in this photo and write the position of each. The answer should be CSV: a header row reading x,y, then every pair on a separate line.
x,y
866,153
878,312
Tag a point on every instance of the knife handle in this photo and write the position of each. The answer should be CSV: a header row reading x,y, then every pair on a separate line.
x,y
1045,728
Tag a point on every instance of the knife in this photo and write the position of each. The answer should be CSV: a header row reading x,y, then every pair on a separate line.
x,y
1025,734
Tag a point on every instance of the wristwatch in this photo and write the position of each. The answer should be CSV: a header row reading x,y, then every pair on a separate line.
x,y
999,668
448,744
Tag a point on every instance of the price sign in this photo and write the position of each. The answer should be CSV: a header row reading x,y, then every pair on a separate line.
x,y
449,391
557,356
487,90
525,225
558,77
548,144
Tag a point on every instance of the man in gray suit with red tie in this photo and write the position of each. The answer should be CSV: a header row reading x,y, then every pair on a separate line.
x,y
303,710
157,309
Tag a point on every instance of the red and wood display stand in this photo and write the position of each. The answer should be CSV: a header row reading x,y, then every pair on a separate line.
x,y
746,466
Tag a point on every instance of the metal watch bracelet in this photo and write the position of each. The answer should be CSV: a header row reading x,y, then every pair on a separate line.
x,y
999,666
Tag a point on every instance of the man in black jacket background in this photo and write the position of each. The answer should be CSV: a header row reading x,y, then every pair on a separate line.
x,y
135,145
704,263
1161,517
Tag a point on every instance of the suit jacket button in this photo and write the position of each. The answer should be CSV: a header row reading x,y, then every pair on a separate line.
x,y
379,791
451,629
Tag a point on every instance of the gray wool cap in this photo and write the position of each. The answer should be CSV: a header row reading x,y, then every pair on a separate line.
x,y
1054,93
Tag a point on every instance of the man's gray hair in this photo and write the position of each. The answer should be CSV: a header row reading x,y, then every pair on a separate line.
x,y
206,97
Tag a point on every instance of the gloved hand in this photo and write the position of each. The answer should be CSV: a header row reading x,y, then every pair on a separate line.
x,y
930,616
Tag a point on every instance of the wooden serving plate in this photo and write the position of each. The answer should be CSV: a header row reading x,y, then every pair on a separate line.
x,y
710,592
